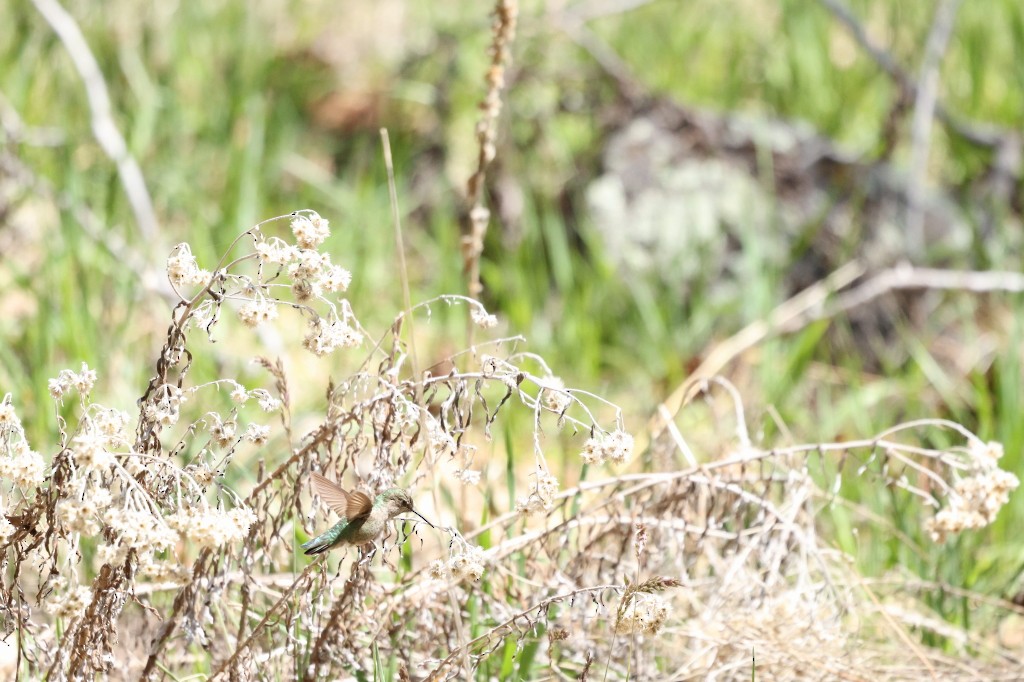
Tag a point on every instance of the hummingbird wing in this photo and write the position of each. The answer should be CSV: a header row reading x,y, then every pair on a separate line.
x,y
359,506
351,506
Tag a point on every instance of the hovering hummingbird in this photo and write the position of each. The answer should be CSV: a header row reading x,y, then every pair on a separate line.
x,y
362,519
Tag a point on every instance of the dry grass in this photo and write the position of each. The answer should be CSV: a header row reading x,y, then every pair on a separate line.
x,y
129,552
155,552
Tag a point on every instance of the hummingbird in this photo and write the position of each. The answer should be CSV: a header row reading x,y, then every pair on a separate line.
x,y
362,519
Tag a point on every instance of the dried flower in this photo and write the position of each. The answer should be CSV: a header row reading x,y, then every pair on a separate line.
x,y
543,496
164,571
274,251
645,614
257,434
556,397
616,447
89,451
267,402
324,337
165,405
239,394
640,539
207,527
68,604
309,265
182,269
140,530
26,468
986,454
482,319
78,517
438,570
306,290
974,503
336,278
310,231
257,311
113,425
223,432
66,380
468,563
8,417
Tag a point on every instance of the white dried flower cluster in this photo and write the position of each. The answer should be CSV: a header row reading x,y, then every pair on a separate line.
x,y
615,447
267,402
256,311
183,270
201,473
21,465
324,337
468,563
89,450
113,425
239,395
312,273
308,264
8,417
310,231
208,527
645,615
165,405
275,251
6,528
986,454
142,531
99,438
974,503
163,571
335,278
482,319
81,381
257,434
542,497
67,602
222,432
556,398
85,515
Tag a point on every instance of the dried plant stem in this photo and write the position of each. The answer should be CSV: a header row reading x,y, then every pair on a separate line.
x,y
978,134
811,305
403,270
904,277
503,33
103,126
303,581
900,631
924,113
510,622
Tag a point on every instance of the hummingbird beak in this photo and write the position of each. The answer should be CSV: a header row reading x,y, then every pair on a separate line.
x,y
424,520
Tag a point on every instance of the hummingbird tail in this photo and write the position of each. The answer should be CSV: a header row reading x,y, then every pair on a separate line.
x,y
317,545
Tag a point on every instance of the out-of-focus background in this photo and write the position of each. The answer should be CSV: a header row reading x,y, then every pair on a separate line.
x,y
668,173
